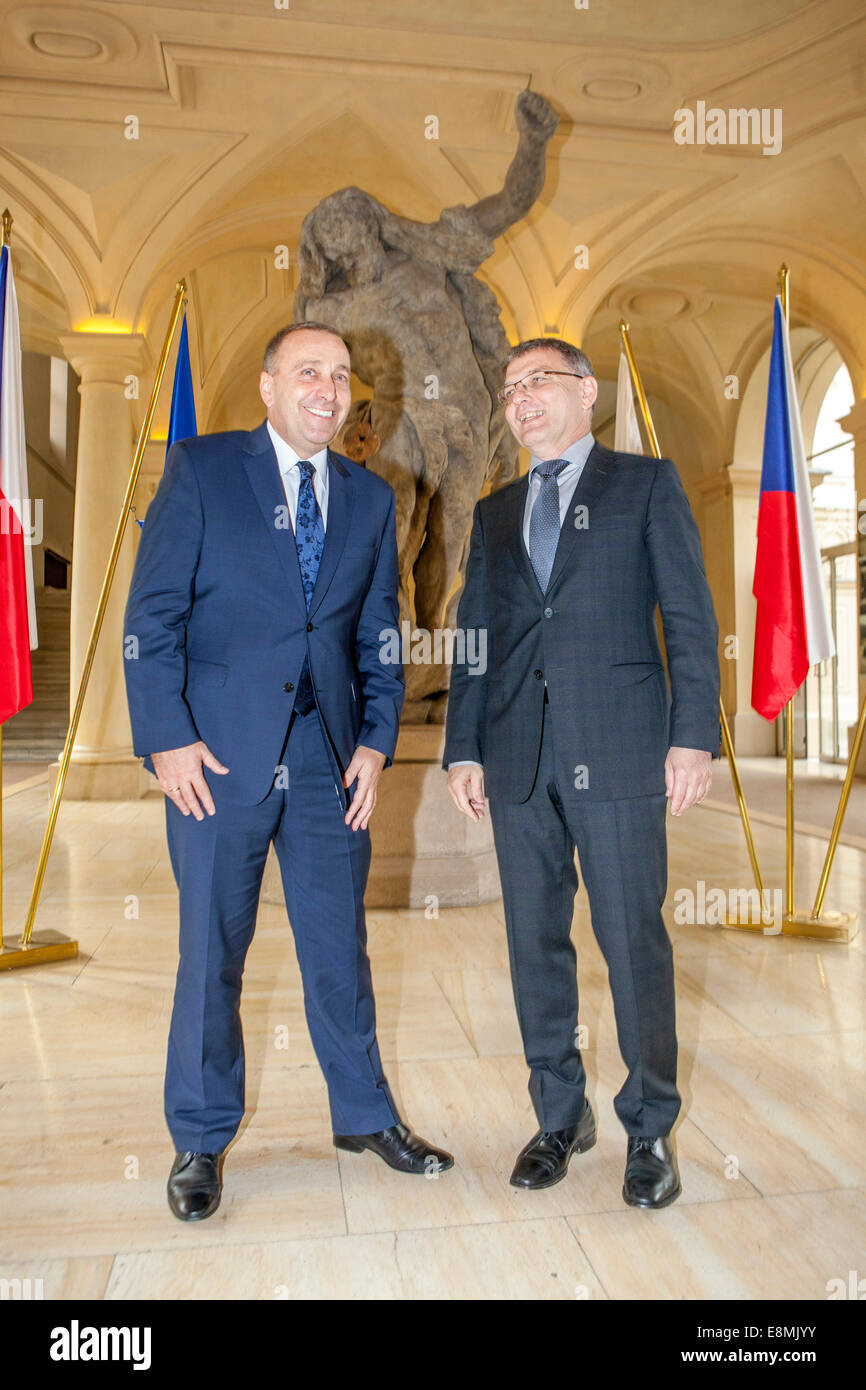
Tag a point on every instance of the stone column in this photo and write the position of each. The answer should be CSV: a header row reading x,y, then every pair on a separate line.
x,y
730,510
855,424
102,766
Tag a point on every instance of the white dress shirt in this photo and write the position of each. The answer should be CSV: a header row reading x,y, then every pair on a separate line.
x,y
291,475
566,482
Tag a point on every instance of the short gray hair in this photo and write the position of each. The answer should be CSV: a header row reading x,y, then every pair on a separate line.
x,y
274,345
577,360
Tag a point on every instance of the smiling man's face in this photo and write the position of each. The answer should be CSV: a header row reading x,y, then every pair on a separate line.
x,y
548,416
308,393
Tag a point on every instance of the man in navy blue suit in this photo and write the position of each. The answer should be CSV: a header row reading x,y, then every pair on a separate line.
x,y
266,571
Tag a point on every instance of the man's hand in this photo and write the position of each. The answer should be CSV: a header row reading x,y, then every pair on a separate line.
x,y
366,765
466,785
688,777
179,773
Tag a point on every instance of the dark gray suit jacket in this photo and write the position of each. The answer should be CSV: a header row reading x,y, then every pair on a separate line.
x,y
628,542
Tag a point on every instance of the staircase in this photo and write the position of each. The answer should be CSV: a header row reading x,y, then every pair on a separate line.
x,y
37,733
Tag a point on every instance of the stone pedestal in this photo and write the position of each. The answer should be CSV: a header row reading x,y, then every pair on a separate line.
x,y
102,778
423,848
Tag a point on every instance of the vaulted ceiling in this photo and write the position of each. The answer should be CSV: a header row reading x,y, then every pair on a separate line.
x,y
247,112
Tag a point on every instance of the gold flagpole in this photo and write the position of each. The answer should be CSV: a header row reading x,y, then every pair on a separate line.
x,y
837,824
726,733
831,926
639,391
47,947
789,709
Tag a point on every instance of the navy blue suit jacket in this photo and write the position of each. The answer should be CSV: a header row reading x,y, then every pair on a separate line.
x,y
629,542
216,624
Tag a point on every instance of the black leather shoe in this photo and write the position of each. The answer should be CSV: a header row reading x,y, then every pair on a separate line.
x,y
400,1148
651,1175
544,1161
194,1186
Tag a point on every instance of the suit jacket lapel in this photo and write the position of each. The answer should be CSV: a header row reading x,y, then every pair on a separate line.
x,y
513,520
263,472
341,501
589,485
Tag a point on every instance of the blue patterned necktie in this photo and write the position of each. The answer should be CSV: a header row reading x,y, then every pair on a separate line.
x,y
544,524
310,541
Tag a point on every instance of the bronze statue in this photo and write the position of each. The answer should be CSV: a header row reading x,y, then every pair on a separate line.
x,y
426,335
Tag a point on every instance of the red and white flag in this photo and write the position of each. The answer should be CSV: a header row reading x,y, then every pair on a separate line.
x,y
17,597
627,438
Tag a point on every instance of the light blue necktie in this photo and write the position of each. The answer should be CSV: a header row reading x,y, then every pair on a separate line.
x,y
544,523
310,540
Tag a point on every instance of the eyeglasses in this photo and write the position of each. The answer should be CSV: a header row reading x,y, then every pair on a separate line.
x,y
534,380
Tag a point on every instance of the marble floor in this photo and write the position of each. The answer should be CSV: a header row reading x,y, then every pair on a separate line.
x,y
771,1142
817,786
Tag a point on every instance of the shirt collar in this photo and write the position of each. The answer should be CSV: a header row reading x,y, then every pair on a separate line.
x,y
287,458
578,452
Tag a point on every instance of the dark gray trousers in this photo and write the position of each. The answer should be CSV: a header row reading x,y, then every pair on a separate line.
x,y
623,857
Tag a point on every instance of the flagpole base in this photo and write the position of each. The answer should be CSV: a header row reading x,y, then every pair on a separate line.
x,y
748,924
829,926
43,946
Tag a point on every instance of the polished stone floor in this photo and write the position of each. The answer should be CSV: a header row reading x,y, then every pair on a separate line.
x,y
771,1142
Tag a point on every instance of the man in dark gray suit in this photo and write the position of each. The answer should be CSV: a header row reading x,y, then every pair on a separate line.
x,y
572,734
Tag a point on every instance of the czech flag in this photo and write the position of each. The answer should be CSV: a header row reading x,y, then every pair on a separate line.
x,y
792,630
17,596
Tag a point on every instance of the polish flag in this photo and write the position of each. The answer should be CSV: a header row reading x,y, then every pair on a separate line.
x,y
792,630
17,597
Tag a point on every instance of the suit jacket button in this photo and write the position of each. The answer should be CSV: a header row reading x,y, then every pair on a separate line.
x,y
539,675
548,612
309,627
289,685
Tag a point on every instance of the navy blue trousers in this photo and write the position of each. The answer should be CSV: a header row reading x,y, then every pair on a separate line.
x,y
218,864
622,850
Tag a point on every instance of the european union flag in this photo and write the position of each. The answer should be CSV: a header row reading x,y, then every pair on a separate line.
x,y
181,424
